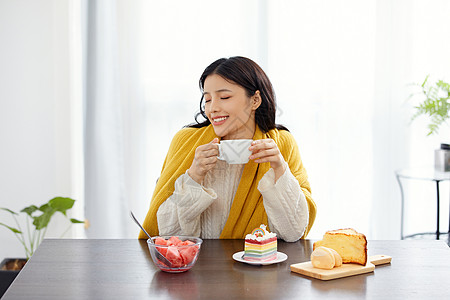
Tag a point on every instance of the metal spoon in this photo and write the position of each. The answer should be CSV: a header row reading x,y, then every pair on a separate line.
x,y
158,254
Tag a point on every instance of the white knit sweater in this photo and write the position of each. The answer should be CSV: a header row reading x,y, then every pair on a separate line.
x,y
202,210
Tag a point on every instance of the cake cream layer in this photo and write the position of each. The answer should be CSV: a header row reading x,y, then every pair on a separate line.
x,y
266,258
259,255
261,242
261,248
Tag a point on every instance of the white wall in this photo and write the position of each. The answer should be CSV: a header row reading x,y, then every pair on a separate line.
x,y
35,156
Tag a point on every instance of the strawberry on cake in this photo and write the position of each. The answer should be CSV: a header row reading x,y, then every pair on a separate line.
x,y
260,245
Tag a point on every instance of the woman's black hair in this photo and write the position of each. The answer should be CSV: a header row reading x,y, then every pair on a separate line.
x,y
248,74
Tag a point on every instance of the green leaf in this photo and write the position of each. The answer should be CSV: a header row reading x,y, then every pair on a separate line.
x,y
76,221
43,220
443,85
425,81
45,208
8,210
61,204
30,209
436,104
11,228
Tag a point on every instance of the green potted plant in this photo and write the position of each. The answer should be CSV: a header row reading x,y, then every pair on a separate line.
x,y
31,234
436,104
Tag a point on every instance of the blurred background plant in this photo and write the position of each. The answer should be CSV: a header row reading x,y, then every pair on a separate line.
x,y
39,217
436,104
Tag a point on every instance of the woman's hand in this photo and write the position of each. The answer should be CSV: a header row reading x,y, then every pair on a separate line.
x,y
266,150
205,159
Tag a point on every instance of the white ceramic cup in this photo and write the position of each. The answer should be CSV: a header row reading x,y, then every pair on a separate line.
x,y
235,151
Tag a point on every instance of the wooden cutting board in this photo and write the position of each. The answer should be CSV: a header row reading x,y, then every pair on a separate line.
x,y
345,270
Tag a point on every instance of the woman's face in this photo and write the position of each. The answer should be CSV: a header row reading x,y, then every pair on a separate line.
x,y
229,109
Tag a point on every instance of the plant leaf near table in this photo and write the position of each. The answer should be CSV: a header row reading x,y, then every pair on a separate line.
x,y
436,104
39,217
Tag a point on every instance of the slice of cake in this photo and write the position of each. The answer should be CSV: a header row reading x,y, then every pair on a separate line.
x,y
260,245
351,245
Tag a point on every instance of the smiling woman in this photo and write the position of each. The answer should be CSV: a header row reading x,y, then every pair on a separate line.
x,y
229,109
199,195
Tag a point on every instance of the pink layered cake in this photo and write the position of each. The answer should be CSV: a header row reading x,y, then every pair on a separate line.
x,y
260,245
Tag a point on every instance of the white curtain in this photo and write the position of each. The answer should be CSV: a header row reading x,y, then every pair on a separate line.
x,y
341,71
114,118
104,140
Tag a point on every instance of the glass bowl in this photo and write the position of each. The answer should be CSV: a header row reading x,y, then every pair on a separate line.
x,y
181,252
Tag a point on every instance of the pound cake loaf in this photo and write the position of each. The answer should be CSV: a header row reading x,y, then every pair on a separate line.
x,y
350,244
260,245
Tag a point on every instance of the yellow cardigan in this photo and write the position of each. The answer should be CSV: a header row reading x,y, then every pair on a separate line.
x,y
247,210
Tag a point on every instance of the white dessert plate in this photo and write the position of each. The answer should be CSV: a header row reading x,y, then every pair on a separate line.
x,y
280,258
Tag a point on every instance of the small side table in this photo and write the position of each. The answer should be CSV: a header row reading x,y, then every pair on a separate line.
x,y
425,173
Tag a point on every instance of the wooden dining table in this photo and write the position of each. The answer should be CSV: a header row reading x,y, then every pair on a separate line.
x,y
123,269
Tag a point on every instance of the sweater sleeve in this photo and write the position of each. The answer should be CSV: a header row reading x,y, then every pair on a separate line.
x,y
180,213
285,205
